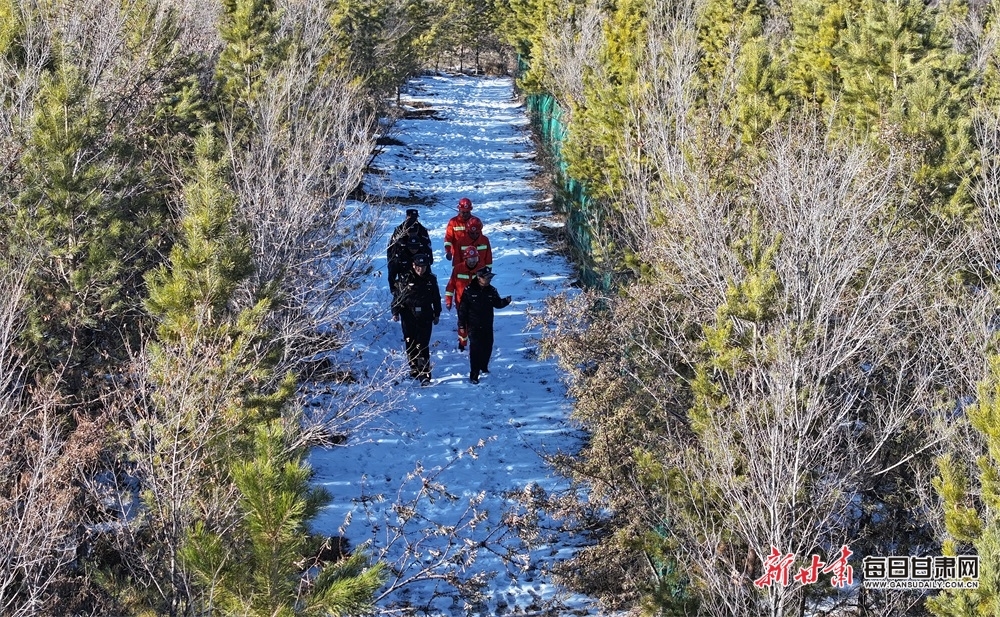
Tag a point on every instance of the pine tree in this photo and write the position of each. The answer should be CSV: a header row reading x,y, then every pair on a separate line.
x,y
973,521
903,83
735,343
742,80
526,26
761,99
209,378
250,30
380,43
69,217
192,296
11,30
89,193
595,141
723,26
735,348
988,92
751,302
817,26
356,30
11,26
466,26
218,409
262,567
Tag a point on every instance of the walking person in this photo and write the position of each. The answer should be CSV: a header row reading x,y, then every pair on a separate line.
x,y
454,233
462,274
475,314
400,252
410,225
417,306
475,238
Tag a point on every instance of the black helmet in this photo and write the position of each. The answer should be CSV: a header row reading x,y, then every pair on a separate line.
x,y
422,259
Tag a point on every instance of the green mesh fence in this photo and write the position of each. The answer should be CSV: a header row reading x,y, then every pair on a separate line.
x,y
546,116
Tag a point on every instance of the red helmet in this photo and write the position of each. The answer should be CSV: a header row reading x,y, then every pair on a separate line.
x,y
474,226
471,253
465,205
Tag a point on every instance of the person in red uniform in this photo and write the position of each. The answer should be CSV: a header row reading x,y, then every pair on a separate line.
x,y
461,276
474,237
476,315
454,233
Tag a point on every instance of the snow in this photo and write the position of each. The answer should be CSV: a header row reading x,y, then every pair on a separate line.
x,y
443,463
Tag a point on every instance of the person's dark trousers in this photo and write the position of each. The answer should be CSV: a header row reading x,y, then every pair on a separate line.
x,y
417,334
480,350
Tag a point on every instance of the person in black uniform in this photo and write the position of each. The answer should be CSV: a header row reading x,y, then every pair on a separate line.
x,y
475,313
417,306
399,254
411,225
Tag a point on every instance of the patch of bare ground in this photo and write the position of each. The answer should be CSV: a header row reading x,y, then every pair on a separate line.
x,y
420,110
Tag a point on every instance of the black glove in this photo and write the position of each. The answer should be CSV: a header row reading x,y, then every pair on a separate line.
x,y
436,320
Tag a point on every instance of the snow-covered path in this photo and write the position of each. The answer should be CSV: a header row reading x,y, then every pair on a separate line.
x,y
452,443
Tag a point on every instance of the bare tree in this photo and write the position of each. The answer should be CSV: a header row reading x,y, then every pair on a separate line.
x,y
811,414
962,483
572,52
311,140
181,429
19,83
780,379
39,518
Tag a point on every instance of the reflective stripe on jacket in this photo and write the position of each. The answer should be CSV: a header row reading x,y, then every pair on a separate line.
x,y
483,247
454,233
461,276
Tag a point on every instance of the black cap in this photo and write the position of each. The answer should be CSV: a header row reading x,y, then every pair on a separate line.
x,y
485,271
422,259
412,213
415,244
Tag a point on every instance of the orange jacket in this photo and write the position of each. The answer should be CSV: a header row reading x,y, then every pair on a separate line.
x,y
454,235
482,244
461,276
